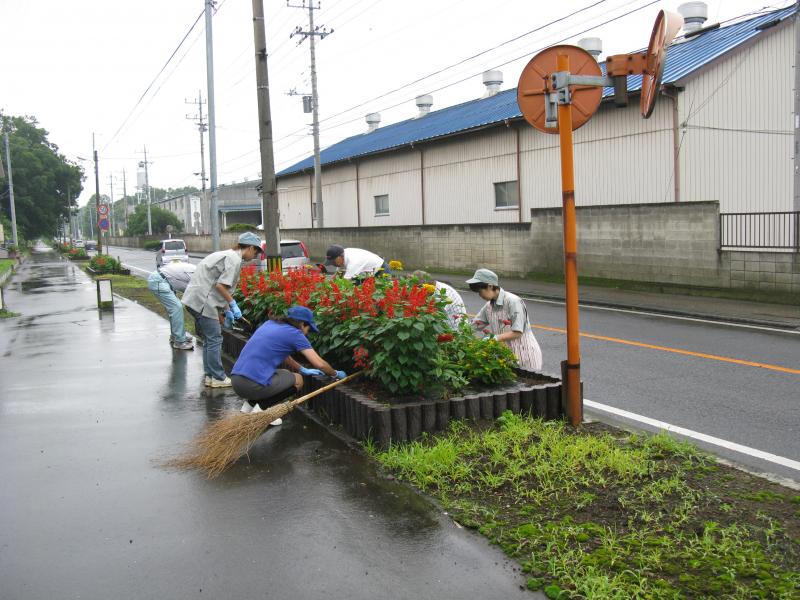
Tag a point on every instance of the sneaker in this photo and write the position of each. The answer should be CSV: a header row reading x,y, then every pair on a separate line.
x,y
207,380
276,422
187,345
256,409
188,337
220,383
246,407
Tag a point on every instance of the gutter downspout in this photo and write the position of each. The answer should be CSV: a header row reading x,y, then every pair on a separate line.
x,y
519,176
422,183
358,199
311,197
672,94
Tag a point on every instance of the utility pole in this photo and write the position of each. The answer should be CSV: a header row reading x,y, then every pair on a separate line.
x,y
111,204
311,34
147,194
797,122
11,193
212,133
125,198
269,198
203,127
97,199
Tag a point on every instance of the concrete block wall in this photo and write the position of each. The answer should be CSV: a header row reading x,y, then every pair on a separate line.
x,y
779,271
666,243
502,247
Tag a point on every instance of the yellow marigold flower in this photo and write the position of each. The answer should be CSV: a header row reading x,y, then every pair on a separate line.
x,y
395,265
431,288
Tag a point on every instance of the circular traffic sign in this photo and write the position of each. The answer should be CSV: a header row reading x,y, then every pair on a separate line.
x,y
103,209
535,82
665,28
103,224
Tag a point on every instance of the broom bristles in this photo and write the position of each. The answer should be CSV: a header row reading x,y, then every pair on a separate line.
x,y
226,440
221,443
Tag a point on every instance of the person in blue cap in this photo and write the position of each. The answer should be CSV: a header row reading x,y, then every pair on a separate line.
x,y
265,372
209,295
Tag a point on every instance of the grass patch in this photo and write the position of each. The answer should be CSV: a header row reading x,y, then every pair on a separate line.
x,y
601,513
6,264
7,314
135,288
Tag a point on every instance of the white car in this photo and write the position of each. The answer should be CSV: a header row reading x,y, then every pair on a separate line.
x,y
169,250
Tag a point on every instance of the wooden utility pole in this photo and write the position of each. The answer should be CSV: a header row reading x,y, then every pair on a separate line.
x,y
269,198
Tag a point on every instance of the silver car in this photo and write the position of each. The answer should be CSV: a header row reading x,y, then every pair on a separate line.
x,y
170,250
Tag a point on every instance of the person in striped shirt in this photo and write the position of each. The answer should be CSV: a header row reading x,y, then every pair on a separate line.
x,y
504,317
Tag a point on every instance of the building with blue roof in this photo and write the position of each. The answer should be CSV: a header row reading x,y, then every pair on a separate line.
x,y
722,130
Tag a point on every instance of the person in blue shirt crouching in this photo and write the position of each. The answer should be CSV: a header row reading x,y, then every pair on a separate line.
x,y
265,373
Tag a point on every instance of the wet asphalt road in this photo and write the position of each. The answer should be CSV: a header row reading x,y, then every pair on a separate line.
x,y
90,402
744,404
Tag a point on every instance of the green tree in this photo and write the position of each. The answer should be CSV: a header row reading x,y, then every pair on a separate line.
x,y
159,218
46,184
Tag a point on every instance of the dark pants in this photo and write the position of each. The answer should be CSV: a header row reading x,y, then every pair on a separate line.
x,y
280,387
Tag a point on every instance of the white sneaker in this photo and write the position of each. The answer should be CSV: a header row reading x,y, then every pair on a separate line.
x,y
246,407
220,383
187,345
207,380
276,422
256,409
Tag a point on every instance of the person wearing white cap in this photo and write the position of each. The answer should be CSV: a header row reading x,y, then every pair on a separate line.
x,y
265,373
208,295
504,318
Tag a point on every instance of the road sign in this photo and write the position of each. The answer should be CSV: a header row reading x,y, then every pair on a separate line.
x,y
103,209
103,224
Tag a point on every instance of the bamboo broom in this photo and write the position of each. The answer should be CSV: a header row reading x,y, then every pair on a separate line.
x,y
222,442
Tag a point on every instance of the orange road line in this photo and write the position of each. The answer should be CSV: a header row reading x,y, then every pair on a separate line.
x,y
676,351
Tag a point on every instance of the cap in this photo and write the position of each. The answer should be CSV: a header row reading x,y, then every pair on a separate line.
x,y
484,276
248,238
332,254
302,313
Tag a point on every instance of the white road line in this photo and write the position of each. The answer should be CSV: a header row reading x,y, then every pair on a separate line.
x,y
714,441
666,316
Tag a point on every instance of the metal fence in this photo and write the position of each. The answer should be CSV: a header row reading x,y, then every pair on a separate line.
x,y
776,230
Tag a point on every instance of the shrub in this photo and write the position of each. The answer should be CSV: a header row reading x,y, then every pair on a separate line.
x,y
76,253
393,328
104,264
239,227
151,245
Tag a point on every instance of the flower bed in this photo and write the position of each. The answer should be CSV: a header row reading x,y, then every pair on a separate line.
x,y
421,372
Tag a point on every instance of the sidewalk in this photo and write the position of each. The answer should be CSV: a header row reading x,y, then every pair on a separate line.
x,y
91,401
718,309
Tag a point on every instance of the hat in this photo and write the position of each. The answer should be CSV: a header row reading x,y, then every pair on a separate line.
x,y
301,313
332,254
484,276
248,238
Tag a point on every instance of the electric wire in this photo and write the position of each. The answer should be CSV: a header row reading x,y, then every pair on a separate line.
x,y
171,56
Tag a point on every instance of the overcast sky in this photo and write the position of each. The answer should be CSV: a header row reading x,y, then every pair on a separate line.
x,y
81,67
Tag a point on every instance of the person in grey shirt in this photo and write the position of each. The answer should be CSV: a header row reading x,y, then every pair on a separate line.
x,y
164,282
209,295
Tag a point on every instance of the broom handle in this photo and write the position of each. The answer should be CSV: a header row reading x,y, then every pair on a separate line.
x,y
302,399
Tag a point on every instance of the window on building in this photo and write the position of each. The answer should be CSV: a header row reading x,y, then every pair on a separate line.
x,y
382,205
506,195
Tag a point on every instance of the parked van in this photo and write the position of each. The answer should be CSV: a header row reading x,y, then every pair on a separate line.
x,y
171,250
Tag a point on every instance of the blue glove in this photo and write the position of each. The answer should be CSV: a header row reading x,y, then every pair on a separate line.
x,y
228,324
340,375
489,338
304,371
237,313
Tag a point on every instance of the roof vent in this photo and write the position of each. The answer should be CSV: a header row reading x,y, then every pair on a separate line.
x,y
424,104
373,121
593,45
492,80
694,15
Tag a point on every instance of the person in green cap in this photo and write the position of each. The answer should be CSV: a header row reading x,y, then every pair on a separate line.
x,y
504,318
209,295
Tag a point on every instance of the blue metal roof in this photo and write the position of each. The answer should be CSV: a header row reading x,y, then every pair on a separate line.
x,y
682,59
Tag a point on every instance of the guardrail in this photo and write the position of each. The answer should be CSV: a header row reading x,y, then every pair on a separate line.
x,y
768,230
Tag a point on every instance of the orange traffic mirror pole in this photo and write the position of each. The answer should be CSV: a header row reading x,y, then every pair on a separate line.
x,y
573,366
